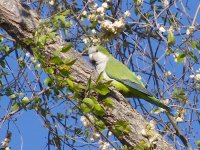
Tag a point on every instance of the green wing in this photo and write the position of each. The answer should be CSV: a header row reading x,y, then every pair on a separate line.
x,y
118,71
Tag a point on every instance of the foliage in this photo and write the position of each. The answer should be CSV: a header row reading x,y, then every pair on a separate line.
x,y
159,40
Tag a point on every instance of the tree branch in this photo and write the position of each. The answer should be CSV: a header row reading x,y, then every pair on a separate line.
x,y
20,22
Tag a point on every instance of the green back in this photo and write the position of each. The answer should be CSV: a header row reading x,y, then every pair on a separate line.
x,y
117,70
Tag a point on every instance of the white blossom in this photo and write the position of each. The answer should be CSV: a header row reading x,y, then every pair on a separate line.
x,y
5,143
91,139
139,77
106,24
38,66
190,30
197,86
171,29
152,124
93,31
127,14
101,10
119,23
97,134
105,5
85,121
191,76
28,54
33,60
109,133
139,2
86,40
95,40
92,17
90,1
7,148
92,5
94,136
166,101
197,78
168,74
175,56
51,2
162,29
84,13
179,119
103,145
165,3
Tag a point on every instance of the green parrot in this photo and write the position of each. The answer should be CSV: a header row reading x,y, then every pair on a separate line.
x,y
123,80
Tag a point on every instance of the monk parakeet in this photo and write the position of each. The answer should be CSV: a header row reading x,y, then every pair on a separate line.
x,y
123,80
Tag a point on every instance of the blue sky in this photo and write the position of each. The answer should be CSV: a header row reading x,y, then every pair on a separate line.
x,y
27,127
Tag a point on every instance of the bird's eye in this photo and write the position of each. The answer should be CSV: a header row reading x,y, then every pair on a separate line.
x,y
97,50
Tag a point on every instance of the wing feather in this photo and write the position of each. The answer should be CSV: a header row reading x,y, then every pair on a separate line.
x,y
124,75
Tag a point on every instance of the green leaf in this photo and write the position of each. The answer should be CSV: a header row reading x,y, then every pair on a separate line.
x,y
49,70
25,100
15,107
60,116
1,84
94,24
66,48
85,108
98,110
108,102
7,49
180,95
28,41
51,36
193,44
41,40
198,45
13,96
56,60
193,57
180,57
69,62
198,143
158,110
100,77
2,64
1,38
70,83
89,84
48,81
102,89
122,126
64,69
89,102
100,125
65,12
171,39
142,145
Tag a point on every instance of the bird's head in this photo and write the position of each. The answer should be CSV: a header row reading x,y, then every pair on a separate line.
x,y
98,54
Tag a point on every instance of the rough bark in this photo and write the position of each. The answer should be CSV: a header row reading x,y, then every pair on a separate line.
x,y
20,22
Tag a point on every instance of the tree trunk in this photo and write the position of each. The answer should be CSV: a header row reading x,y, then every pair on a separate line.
x,y
20,22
